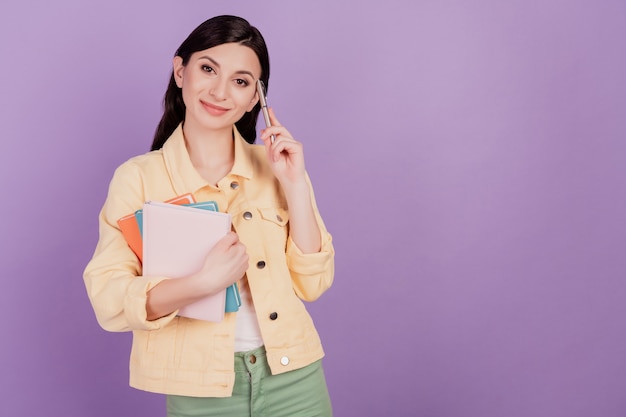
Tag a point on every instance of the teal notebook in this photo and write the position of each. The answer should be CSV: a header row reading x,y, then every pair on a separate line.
x,y
233,299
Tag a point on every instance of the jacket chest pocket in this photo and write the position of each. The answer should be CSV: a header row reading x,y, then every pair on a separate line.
x,y
270,222
275,221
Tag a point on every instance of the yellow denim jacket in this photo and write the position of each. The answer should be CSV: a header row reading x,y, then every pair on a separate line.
x,y
181,356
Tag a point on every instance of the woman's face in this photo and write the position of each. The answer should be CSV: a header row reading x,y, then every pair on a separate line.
x,y
218,85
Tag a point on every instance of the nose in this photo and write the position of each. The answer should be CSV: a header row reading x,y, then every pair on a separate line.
x,y
219,89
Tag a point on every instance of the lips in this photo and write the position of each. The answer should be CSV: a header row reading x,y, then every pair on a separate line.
x,y
214,109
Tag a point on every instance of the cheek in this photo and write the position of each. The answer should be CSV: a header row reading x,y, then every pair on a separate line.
x,y
190,90
246,100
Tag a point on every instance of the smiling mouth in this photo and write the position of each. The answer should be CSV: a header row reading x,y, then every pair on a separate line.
x,y
214,109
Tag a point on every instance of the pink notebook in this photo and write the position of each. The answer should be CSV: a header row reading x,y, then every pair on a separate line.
x,y
176,240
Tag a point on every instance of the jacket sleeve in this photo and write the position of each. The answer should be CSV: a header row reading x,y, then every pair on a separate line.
x,y
312,273
113,280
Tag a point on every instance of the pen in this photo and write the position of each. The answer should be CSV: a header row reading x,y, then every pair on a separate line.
x,y
260,88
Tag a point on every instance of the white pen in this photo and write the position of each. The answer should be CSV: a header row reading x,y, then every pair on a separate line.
x,y
260,88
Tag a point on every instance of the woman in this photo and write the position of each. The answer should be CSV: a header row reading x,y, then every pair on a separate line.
x,y
265,359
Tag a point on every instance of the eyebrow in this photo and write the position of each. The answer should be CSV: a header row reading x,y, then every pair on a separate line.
x,y
216,64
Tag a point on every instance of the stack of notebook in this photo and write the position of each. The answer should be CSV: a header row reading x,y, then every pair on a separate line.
x,y
173,238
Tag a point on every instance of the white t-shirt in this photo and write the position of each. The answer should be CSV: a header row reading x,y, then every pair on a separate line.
x,y
247,331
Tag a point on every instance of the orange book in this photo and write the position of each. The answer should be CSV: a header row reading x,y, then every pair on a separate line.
x,y
130,228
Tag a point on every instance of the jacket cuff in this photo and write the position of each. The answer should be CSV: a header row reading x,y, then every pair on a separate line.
x,y
135,305
310,263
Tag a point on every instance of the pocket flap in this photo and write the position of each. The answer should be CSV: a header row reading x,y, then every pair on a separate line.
x,y
275,215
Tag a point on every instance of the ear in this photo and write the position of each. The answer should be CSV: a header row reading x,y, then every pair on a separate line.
x,y
179,68
253,102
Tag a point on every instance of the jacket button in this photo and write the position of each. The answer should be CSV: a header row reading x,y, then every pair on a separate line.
x,y
280,219
252,359
260,264
284,361
247,215
234,185
274,316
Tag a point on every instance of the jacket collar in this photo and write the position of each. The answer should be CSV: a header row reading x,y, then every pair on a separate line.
x,y
184,176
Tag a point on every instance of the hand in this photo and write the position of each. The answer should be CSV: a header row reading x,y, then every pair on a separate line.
x,y
225,264
285,154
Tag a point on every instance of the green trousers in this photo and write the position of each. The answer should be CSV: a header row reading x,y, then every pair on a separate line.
x,y
258,393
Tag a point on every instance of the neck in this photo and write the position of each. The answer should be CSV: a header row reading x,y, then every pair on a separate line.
x,y
212,153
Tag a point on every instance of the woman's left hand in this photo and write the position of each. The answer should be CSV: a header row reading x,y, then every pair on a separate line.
x,y
285,154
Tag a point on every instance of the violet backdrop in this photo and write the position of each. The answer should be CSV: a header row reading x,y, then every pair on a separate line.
x,y
469,158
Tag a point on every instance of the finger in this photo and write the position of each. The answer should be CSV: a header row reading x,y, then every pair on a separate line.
x,y
276,131
228,240
265,135
285,148
273,118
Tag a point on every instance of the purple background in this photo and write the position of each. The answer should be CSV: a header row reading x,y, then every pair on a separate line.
x,y
469,158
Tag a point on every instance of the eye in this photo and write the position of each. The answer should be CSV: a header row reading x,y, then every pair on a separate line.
x,y
207,69
242,82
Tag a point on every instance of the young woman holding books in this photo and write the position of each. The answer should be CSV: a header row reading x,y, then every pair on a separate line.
x,y
265,359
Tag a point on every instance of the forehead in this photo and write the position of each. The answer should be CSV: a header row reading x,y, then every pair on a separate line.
x,y
231,57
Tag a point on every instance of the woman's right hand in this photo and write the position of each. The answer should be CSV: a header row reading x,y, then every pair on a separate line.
x,y
225,264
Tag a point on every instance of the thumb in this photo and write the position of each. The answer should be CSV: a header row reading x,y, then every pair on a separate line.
x,y
228,240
